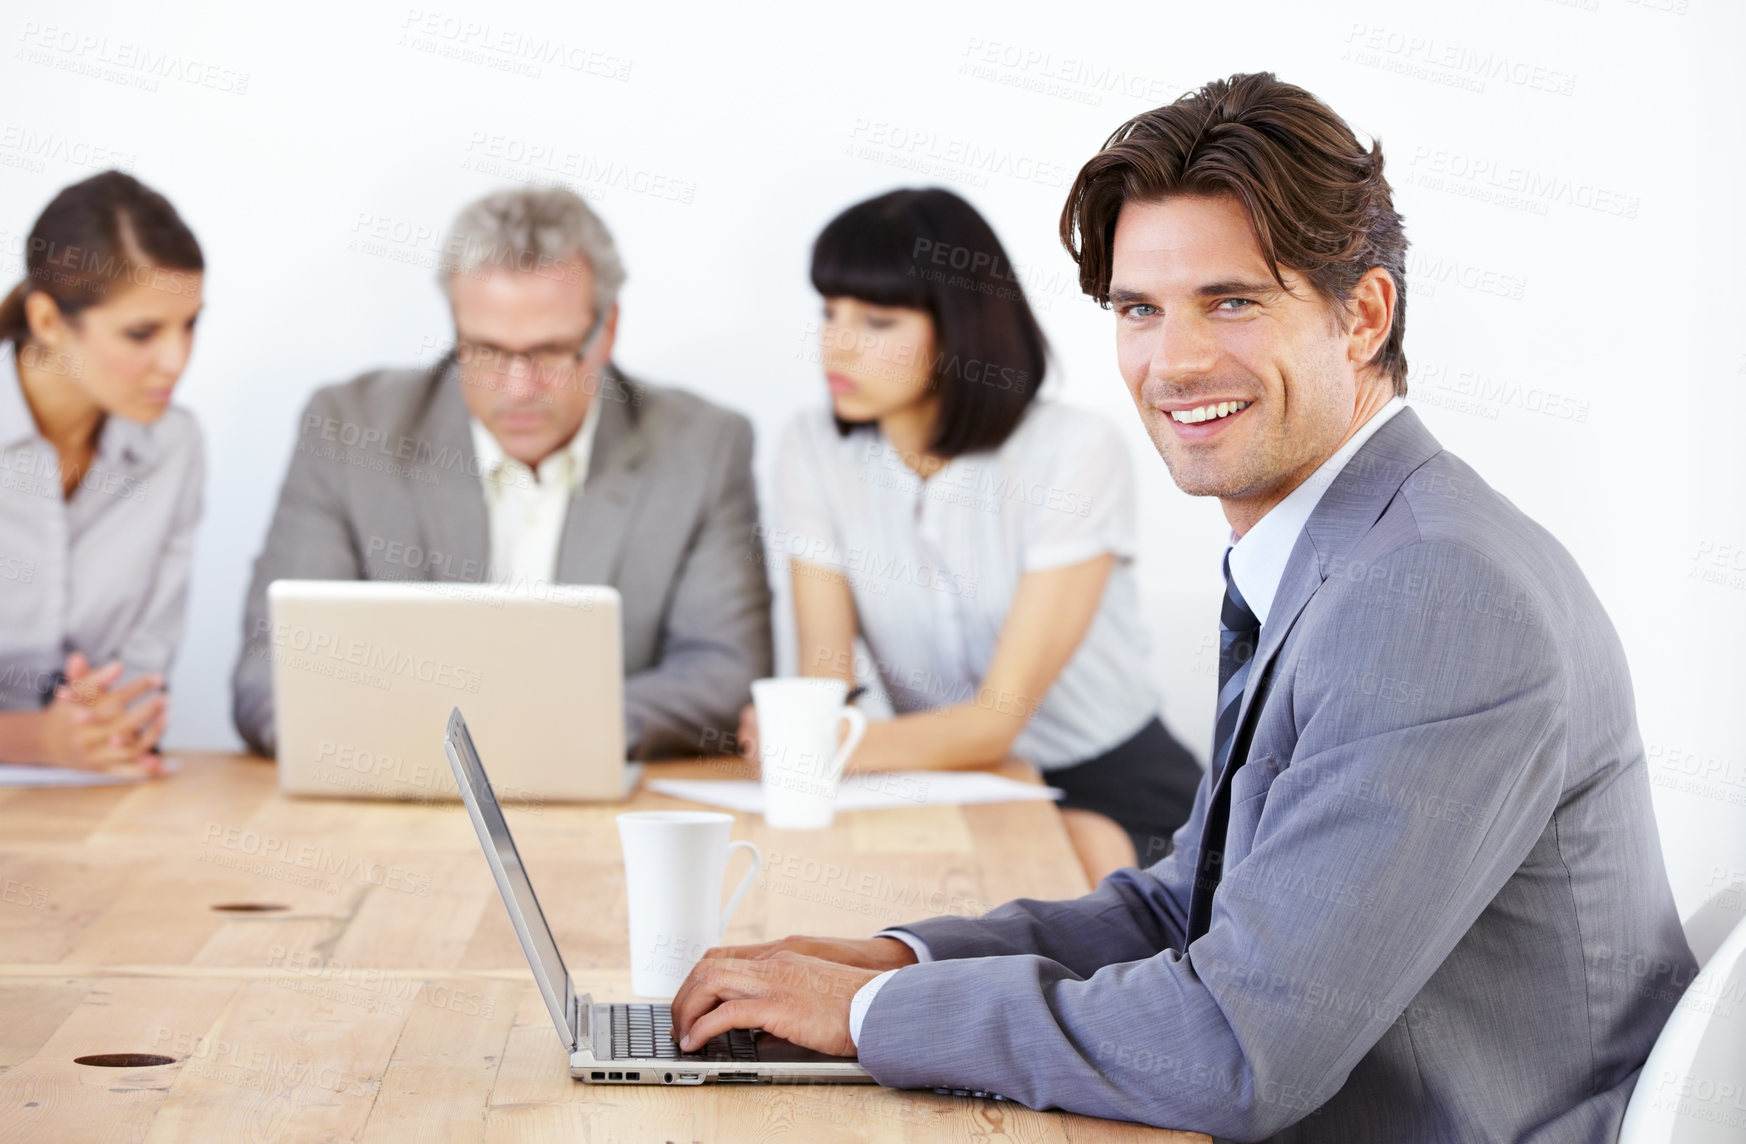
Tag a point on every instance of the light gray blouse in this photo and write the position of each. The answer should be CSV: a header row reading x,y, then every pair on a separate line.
x,y
933,565
106,572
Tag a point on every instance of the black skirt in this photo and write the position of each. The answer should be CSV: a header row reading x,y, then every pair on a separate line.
x,y
1146,784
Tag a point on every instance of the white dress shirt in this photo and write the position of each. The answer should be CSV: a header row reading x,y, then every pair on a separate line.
x,y
1257,563
526,507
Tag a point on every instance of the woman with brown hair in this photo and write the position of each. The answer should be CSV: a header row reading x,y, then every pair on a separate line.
x,y
100,478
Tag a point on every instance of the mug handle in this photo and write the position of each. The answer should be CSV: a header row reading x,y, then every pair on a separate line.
x,y
727,911
857,730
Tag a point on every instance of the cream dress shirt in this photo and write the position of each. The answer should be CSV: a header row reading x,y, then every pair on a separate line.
x,y
526,507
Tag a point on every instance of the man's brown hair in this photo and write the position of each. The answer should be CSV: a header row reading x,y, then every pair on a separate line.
x,y
1315,197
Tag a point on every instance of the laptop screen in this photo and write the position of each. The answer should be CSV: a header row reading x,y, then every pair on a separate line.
x,y
512,881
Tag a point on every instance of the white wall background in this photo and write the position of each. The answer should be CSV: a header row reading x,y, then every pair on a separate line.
x,y
1569,169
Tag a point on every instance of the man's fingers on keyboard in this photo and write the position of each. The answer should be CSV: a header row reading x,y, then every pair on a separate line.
x,y
710,983
737,1014
737,952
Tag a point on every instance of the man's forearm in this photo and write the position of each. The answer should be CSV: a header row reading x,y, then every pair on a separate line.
x,y
688,704
252,684
1129,917
1142,1042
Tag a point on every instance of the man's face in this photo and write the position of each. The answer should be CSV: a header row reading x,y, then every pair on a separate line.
x,y
518,337
1201,326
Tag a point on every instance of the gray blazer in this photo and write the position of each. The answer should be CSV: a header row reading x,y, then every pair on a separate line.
x,y
384,485
1444,914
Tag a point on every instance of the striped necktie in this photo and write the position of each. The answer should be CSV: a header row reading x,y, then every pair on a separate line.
x,y
1239,632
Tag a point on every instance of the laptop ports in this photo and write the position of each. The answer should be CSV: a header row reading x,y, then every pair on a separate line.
x,y
737,1077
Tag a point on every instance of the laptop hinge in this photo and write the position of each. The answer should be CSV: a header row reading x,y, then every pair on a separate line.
x,y
581,1013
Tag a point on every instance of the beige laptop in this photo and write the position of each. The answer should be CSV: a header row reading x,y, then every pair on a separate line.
x,y
362,670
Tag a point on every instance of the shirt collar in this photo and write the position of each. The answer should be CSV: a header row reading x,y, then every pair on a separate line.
x,y
1258,559
568,465
121,441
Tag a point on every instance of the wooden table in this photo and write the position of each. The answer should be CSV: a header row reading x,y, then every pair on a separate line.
x,y
336,970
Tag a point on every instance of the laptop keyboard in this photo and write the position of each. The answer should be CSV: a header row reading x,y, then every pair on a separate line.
x,y
645,1032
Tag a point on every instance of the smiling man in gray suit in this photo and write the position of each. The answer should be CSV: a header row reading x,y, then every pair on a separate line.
x,y
1421,896
524,457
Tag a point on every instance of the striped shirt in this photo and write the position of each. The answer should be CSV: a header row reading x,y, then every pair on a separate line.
x,y
934,564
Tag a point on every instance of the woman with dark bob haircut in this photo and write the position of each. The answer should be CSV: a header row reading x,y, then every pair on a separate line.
x,y
102,476
979,540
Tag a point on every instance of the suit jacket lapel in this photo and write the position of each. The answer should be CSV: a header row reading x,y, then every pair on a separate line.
x,y
1352,504
602,510
451,511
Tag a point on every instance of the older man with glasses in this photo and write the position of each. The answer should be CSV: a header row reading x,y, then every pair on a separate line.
x,y
525,457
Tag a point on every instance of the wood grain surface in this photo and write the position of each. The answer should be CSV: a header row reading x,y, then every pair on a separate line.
x,y
343,970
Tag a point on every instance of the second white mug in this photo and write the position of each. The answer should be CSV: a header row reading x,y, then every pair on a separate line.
x,y
798,754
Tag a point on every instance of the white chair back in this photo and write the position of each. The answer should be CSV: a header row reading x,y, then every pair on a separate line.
x,y
1693,1088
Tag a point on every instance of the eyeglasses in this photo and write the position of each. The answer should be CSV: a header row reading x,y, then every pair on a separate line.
x,y
542,361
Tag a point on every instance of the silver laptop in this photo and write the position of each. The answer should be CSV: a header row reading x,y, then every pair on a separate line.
x,y
362,670
608,1043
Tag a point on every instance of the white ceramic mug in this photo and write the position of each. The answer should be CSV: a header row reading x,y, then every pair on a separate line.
x,y
798,754
673,866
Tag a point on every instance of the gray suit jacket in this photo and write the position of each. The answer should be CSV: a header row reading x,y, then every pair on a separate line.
x,y
1444,914
384,485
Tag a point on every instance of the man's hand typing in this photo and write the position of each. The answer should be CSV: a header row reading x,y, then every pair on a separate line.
x,y
798,989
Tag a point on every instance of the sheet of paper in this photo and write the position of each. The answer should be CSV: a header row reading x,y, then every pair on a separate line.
x,y
872,791
16,775
19,775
